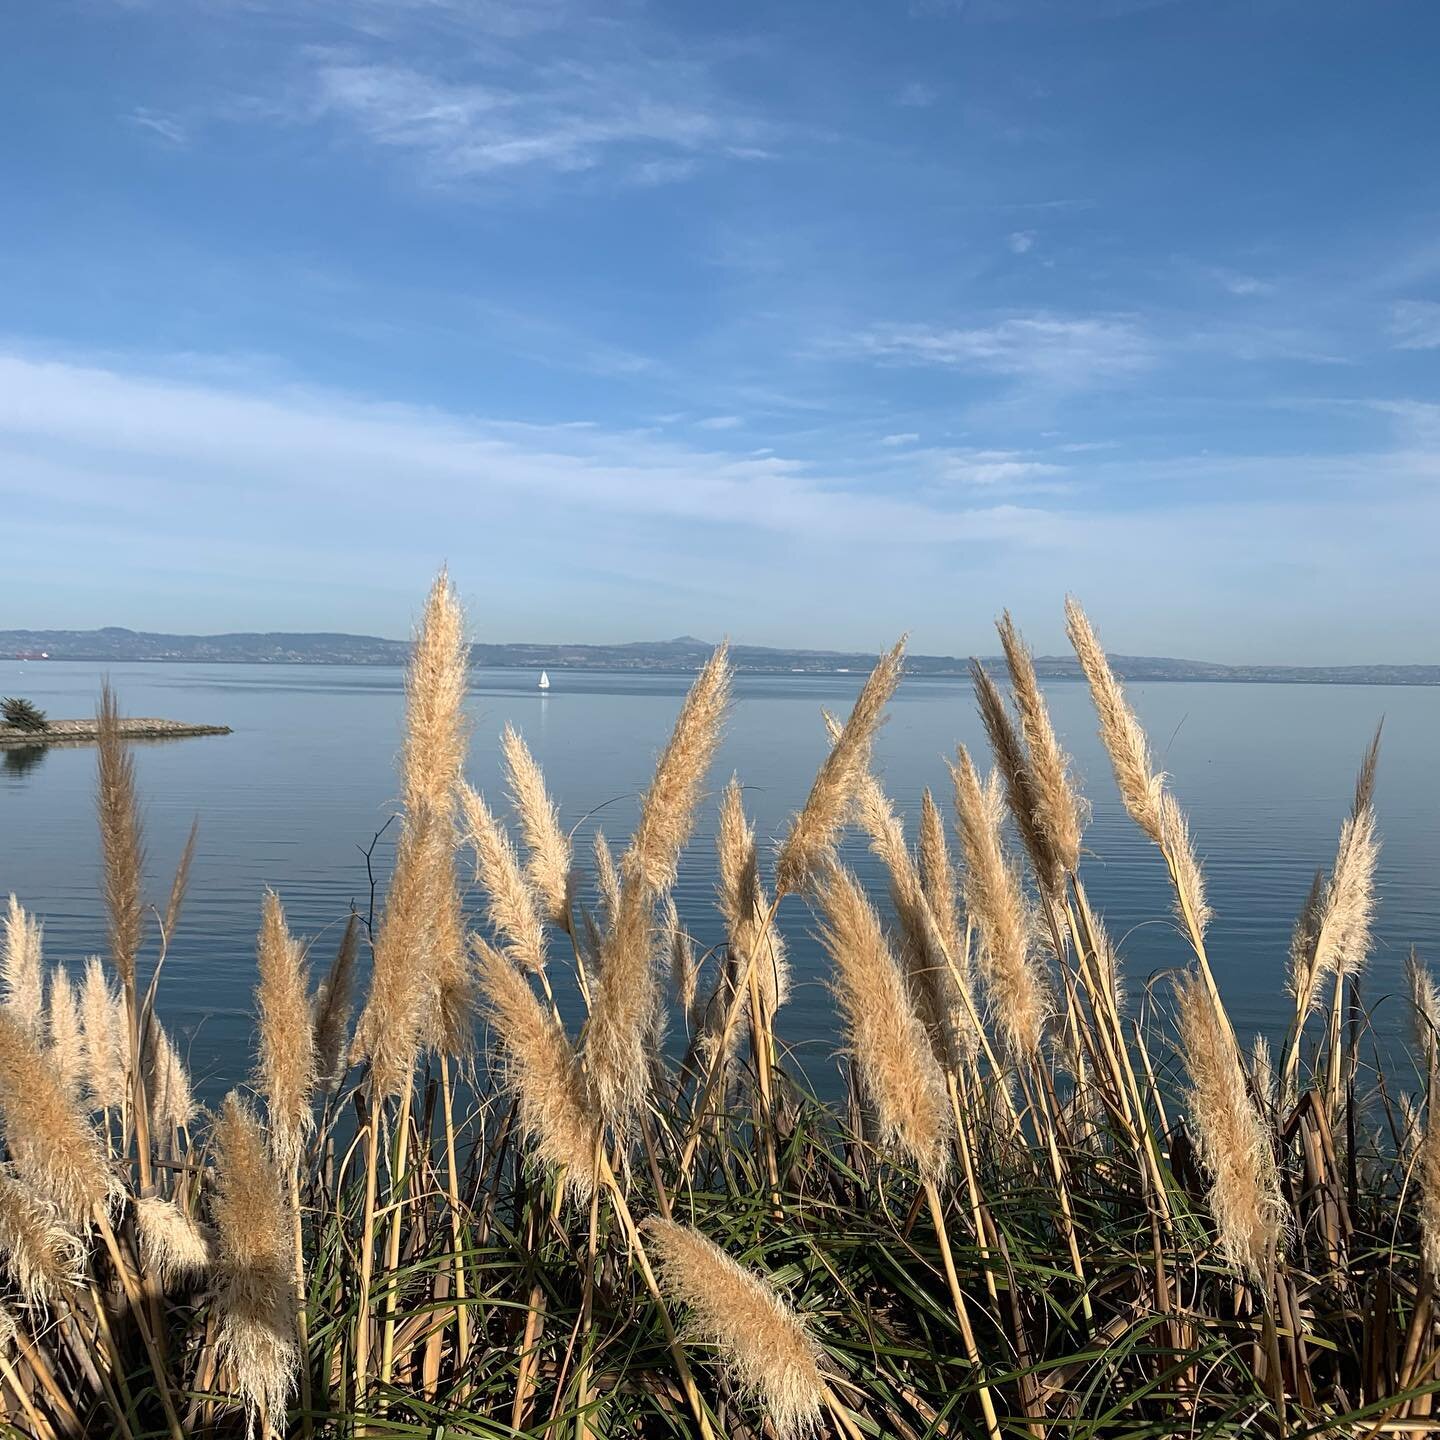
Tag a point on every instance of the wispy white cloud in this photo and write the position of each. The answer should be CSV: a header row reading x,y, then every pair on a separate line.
x,y
209,484
188,437
917,95
1021,242
997,470
1066,352
1235,282
1415,324
654,120
909,437
721,422
169,128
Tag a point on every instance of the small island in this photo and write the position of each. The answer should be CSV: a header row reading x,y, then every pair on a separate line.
x,y
86,732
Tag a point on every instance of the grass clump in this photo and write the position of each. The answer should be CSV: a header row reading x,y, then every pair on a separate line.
x,y
1043,1212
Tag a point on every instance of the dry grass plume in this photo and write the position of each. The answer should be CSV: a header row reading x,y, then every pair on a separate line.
x,y
52,1146
995,902
765,1346
287,1061
120,839
1245,1194
254,1269
809,843
540,1069
887,1038
550,864
1140,787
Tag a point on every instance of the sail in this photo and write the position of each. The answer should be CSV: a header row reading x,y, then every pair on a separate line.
x,y
544,681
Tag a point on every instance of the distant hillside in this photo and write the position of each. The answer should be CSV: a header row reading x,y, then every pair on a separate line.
x,y
684,653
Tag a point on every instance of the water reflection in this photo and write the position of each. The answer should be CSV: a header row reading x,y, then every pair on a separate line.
x,y
21,759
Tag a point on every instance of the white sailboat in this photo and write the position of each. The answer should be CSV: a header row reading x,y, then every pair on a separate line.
x,y
544,681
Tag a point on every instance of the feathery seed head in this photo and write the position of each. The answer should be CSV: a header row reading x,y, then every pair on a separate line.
x,y
330,1009
1424,1008
41,1255
667,809
435,685
173,1245
607,877
1302,979
22,970
254,1267
540,1070
120,838
617,1039
1021,792
925,960
745,904
681,950
994,900
52,1146
1245,1194
450,1022
937,877
104,1037
1427,1177
887,1038
1262,1071
1349,904
389,1032
810,840
1059,814
67,1041
765,1345
286,1073
166,1082
550,860
1125,741
510,901
1189,878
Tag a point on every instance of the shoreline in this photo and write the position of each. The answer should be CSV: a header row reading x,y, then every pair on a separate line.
x,y
86,732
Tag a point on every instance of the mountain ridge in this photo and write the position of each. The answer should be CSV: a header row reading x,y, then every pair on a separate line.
x,y
118,644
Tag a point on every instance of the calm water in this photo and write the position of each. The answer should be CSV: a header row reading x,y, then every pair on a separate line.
x,y
295,794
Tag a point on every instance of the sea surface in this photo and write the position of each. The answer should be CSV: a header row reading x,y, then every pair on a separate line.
x,y
294,797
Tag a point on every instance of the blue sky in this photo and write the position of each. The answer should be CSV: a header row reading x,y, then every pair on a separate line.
x,y
806,323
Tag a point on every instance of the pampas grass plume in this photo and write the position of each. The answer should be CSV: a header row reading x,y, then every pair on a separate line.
x,y
1058,811
67,1041
1245,1194
104,1037
254,1268
539,1069
667,808
120,838
286,1072
1140,787
400,994
43,1257
22,969
549,864
887,1038
52,1146
166,1081
510,902
810,840
764,1344
172,1243
435,685
330,1008
995,902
